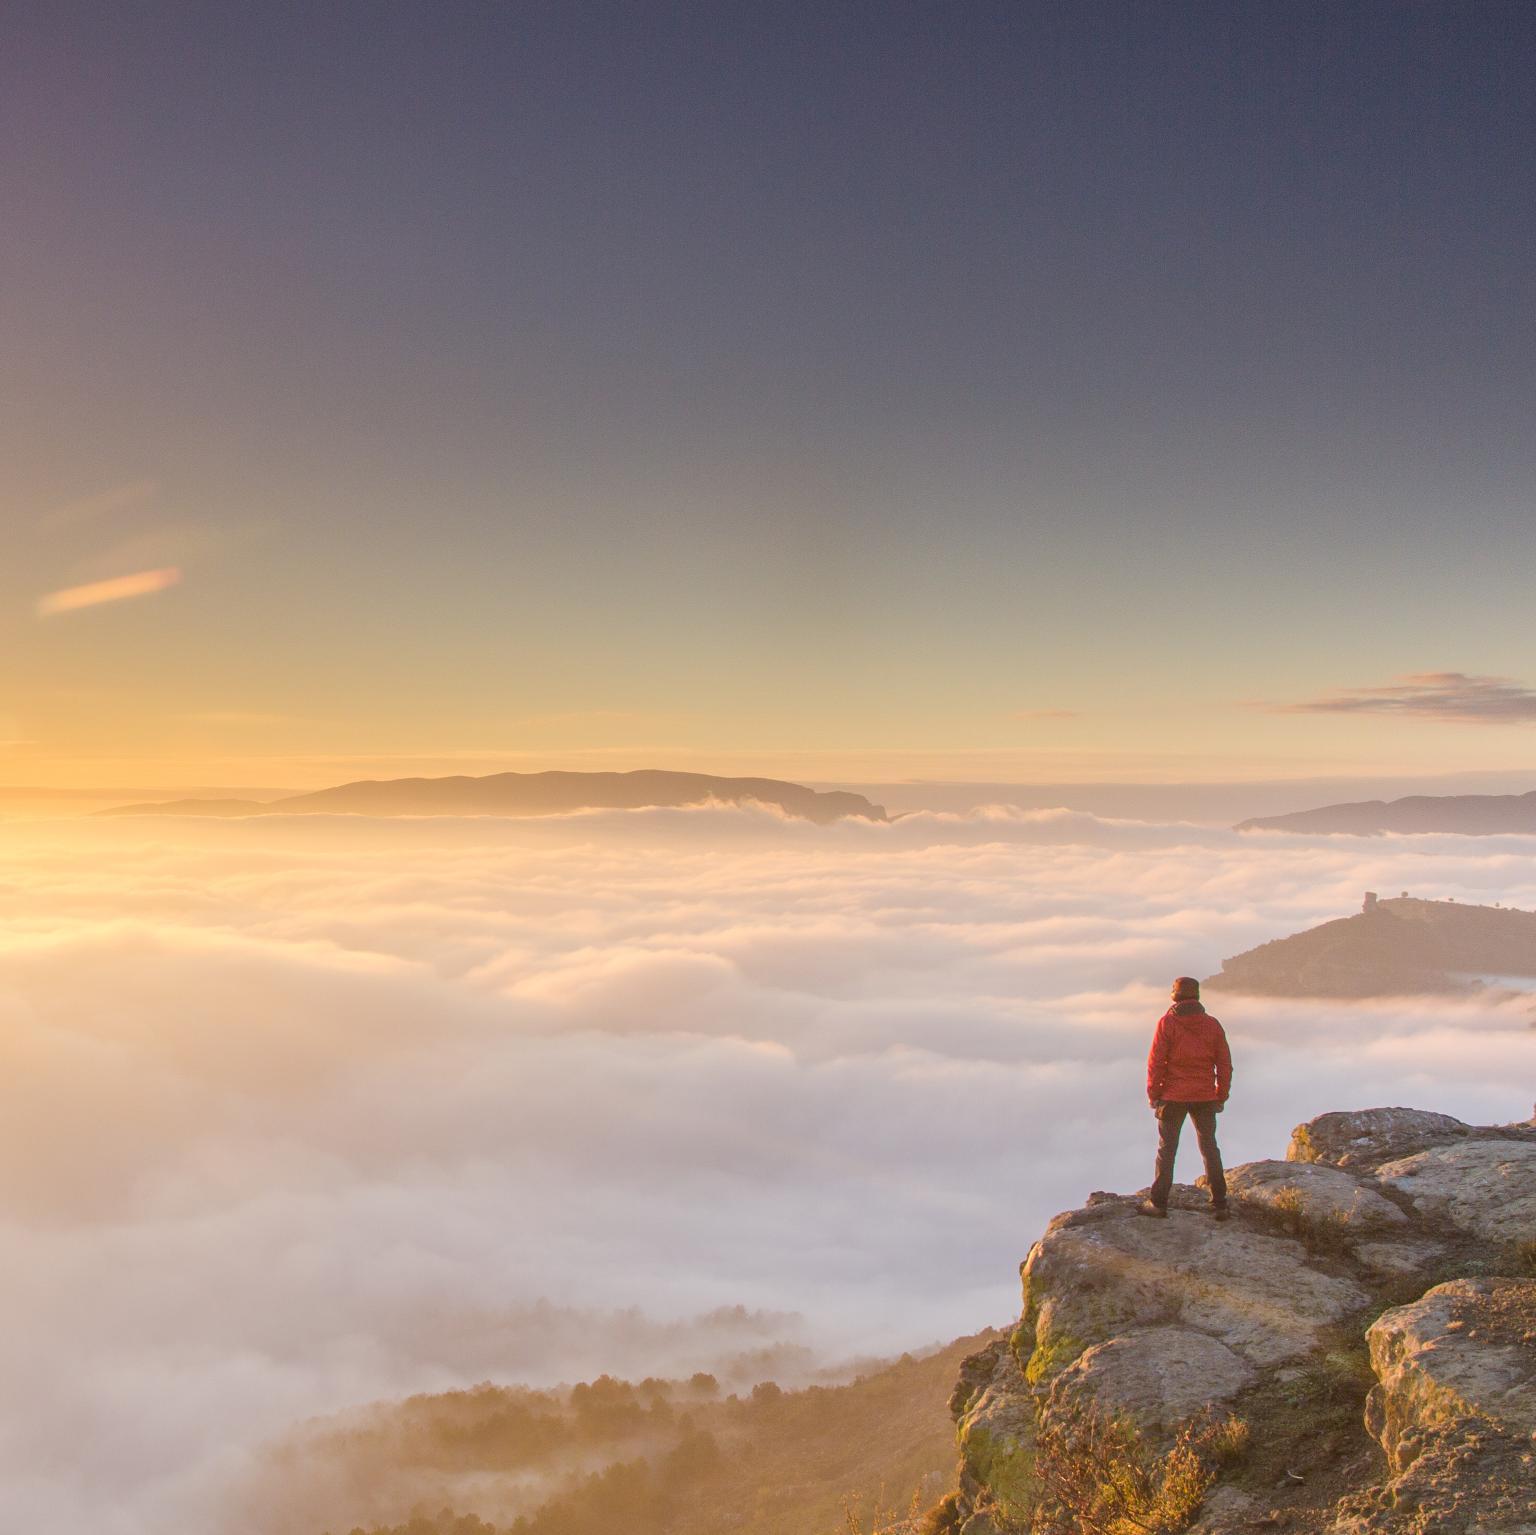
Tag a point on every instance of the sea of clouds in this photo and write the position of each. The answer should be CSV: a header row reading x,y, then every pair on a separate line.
x,y
300,1113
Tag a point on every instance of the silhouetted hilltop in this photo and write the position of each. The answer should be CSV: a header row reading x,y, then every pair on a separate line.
x,y
519,794
215,807
1470,815
1392,948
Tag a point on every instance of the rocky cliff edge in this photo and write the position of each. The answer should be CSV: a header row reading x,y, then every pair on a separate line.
x,y
1354,1352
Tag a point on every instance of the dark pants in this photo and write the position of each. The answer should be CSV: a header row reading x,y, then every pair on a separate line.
x,y
1170,1121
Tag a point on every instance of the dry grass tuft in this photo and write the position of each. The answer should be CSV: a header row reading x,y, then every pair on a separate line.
x,y
1098,1477
1324,1236
884,1519
1522,1259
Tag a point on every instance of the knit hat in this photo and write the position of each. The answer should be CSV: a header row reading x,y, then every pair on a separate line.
x,y
1186,989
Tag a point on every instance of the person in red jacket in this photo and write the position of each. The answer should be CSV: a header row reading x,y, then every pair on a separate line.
x,y
1189,1073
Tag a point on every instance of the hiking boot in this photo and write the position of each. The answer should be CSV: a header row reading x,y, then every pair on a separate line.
x,y
1146,1207
1220,1213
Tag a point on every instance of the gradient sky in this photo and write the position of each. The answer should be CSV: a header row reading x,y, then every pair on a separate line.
x,y
830,389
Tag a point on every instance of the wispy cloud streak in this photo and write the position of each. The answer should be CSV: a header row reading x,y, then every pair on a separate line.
x,y
142,583
1462,697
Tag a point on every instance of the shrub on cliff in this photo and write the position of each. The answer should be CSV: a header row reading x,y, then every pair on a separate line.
x,y
1098,1476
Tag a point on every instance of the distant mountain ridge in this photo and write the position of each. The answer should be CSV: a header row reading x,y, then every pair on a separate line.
x,y
1403,947
533,794
1470,815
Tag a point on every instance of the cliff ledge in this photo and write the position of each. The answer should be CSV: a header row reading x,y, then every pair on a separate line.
x,y
1353,1353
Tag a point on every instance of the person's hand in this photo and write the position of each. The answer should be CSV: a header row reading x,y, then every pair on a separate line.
x,y
1157,1105
1221,1105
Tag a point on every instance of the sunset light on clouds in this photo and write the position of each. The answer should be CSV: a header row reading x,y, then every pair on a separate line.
x,y
638,636
416,1080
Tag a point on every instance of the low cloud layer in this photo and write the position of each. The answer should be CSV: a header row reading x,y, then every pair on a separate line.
x,y
300,1113
1454,696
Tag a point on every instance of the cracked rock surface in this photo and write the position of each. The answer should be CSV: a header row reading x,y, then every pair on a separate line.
x,y
1160,1377
1317,1192
1257,1294
1454,1408
1486,1187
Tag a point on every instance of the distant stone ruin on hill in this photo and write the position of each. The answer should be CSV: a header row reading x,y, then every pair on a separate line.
x,y
1398,947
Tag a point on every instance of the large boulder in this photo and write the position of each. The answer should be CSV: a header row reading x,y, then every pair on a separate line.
x,y
1463,1349
1486,1187
1455,1411
1159,1378
1120,1273
1316,1192
1365,1138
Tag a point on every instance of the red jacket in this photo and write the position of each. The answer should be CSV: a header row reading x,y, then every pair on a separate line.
x,y
1189,1061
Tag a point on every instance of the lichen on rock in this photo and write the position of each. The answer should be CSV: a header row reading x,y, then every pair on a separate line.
x,y
995,1418
1368,1137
